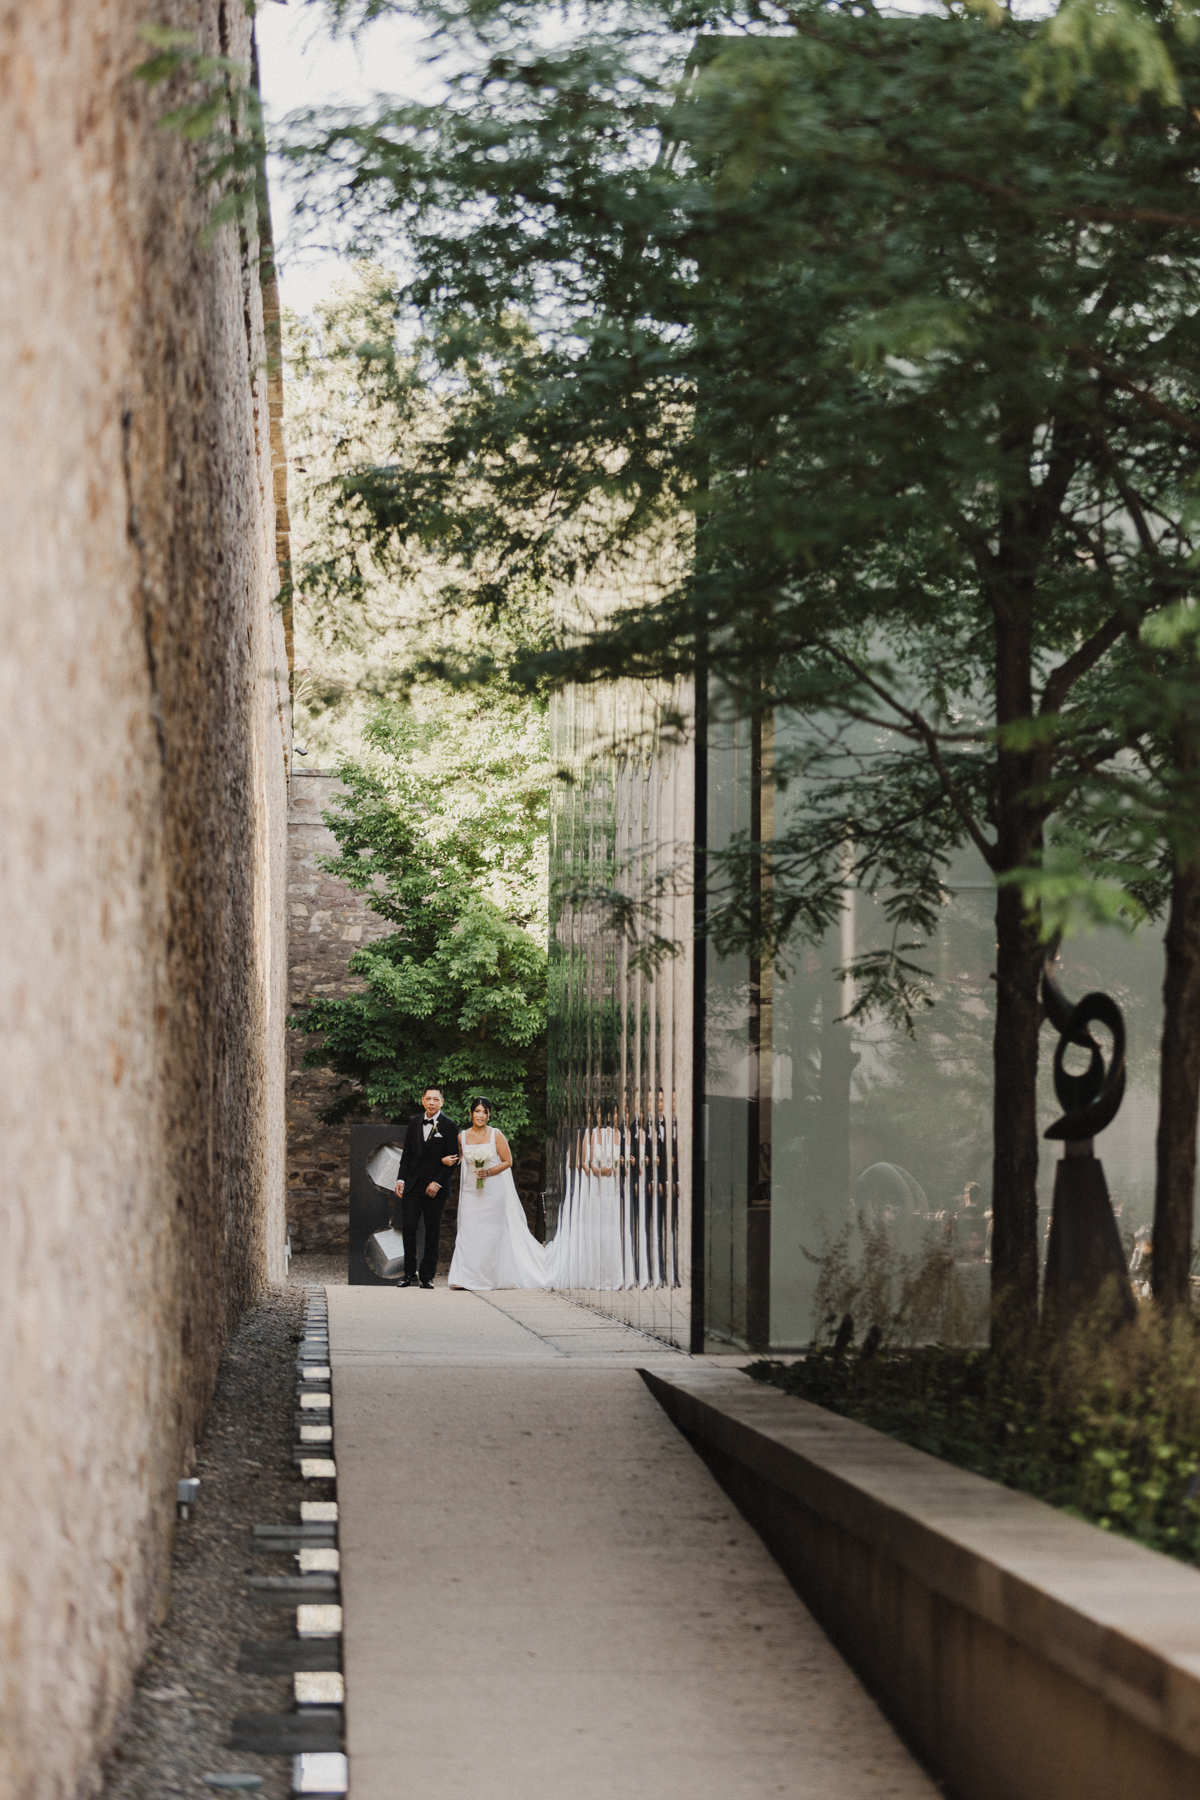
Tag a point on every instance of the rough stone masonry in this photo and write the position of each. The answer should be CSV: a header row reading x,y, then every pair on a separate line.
x,y
144,740
329,922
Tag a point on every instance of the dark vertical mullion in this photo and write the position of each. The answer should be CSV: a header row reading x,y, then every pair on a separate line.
x,y
754,973
758,1099
699,1007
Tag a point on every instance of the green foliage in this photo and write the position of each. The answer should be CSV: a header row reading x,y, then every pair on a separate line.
x,y
369,610
1125,830
443,822
890,351
1108,1428
443,828
457,998
450,793
219,112
1075,890
1108,42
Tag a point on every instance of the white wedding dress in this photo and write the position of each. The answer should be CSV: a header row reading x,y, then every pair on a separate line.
x,y
494,1247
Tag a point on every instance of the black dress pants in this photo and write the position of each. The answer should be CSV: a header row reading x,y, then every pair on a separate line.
x,y
416,1204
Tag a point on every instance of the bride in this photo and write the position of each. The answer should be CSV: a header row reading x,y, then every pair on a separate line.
x,y
494,1247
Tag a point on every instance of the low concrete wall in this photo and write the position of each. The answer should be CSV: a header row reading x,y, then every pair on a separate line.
x,y
1024,1654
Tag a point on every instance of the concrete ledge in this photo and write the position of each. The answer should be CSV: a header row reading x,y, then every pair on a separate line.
x,y
1025,1655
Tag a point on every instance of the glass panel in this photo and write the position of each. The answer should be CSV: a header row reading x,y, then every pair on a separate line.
x,y
871,1124
727,1070
815,1127
809,1126
621,1024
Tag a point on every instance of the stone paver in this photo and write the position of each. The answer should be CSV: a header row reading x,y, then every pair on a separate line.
x,y
546,1594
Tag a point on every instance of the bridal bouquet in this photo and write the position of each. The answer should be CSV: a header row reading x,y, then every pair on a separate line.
x,y
479,1156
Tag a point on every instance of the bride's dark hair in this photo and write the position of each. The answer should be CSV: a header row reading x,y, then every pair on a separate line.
x,y
480,1101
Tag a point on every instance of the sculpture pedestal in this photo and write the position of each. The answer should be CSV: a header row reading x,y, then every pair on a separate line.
x,y
1085,1246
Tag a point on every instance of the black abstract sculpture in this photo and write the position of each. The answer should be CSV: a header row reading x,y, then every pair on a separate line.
x,y
1089,1101
1084,1255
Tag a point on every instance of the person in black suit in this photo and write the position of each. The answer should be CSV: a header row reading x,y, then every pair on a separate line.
x,y
430,1152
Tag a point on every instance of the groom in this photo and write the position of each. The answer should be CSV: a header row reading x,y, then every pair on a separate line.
x,y
430,1152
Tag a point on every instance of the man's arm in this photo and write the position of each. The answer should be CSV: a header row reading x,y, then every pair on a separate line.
x,y
406,1155
406,1158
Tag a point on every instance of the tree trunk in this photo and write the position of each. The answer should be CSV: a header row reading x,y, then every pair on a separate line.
x,y
1019,958
1178,1094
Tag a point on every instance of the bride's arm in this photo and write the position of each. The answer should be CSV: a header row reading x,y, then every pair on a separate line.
x,y
503,1152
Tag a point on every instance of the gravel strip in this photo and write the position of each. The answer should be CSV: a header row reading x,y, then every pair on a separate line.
x,y
188,1689
327,1267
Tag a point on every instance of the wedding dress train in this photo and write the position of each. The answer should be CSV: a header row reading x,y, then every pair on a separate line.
x,y
597,1245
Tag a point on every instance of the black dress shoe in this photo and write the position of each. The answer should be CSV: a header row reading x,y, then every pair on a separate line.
x,y
407,1281
427,1284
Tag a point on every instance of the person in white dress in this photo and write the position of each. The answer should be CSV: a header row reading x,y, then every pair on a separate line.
x,y
494,1247
607,1272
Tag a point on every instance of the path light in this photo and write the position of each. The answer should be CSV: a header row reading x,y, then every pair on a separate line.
x,y
320,1772
319,1562
319,1687
318,1512
240,1782
318,1468
187,1492
314,1621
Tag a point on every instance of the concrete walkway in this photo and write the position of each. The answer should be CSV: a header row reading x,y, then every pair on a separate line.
x,y
546,1594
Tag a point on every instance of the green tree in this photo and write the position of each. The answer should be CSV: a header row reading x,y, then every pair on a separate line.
x,y
887,328
442,824
458,999
368,608
443,828
1136,821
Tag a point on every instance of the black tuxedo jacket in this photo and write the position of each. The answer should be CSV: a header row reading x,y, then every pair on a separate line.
x,y
421,1162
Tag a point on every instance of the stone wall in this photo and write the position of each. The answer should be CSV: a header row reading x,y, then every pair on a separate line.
x,y
329,922
143,743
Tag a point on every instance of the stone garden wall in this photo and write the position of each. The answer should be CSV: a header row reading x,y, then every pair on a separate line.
x,y
329,922
144,736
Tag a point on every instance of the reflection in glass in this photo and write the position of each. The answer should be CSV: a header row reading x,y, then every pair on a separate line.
x,y
810,1125
620,1051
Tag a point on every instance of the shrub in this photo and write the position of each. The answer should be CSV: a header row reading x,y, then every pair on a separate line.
x,y
1105,1424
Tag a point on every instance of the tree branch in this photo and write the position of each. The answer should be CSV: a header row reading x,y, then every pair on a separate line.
x,y
1089,215
1060,683
1158,408
926,734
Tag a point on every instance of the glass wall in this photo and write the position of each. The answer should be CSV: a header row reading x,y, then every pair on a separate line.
x,y
809,1130
820,1130
618,1199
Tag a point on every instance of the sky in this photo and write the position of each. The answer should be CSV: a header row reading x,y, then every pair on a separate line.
x,y
301,65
